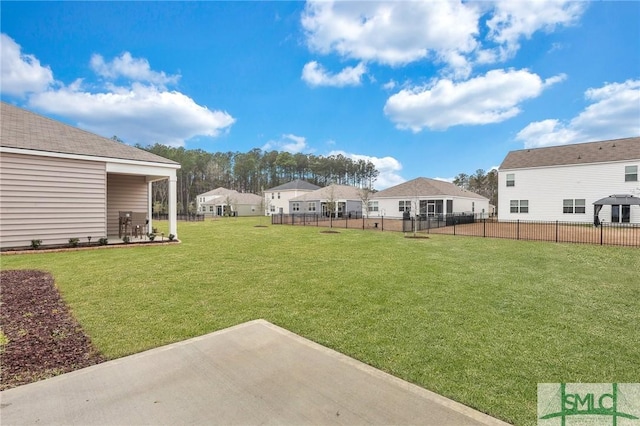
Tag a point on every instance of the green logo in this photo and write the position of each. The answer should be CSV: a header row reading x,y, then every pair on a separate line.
x,y
564,404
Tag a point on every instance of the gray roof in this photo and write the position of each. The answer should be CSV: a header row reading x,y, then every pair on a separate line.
x,y
234,196
425,187
298,184
26,130
218,191
581,153
336,192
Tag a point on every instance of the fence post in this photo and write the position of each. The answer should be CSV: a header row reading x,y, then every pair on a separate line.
x,y
601,226
454,225
518,229
484,227
382,224
330,220
556,231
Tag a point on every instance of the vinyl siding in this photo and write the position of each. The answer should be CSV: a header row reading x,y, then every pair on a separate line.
x,y
126,193
388,207
50,199
546,187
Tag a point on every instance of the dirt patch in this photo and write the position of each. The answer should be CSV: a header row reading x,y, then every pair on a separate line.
x,y
260,226
329,232
40,338
418,237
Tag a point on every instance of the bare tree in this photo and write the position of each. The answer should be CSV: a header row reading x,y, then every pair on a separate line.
x,y
365,195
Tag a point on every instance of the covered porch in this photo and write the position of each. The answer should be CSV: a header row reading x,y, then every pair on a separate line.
x,y
130,200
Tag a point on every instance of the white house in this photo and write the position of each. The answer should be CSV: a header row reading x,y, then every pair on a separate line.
x,y
341,199
219,201
428,197
562,182
276,199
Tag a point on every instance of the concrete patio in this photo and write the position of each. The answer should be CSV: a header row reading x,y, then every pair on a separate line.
x,y
253,373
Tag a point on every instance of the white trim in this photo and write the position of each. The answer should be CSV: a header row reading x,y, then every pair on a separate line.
x,y
23,151
138,169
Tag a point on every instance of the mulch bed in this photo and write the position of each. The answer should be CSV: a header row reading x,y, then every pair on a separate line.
x,y
41,337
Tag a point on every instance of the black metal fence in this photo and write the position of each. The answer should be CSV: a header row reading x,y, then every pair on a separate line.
x,y
425,223
619,234
183,217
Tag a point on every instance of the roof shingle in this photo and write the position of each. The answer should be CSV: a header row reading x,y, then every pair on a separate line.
x,y
425,187
26,130
581,153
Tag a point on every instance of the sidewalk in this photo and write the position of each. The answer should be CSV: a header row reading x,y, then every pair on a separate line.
x,y
253,373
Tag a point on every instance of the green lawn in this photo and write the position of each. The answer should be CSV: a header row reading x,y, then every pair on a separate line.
x,y
478,320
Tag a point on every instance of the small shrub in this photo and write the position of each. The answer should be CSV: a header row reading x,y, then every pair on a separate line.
x,y
151,236
35,244
126,239
155,230
73,242
89,239
171,237
103,241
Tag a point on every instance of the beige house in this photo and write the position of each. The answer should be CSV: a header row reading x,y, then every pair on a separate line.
x,y
426,197
341,200
59,182
220,200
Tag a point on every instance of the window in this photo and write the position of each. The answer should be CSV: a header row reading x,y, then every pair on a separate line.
x,y
473,207
272,195
278,195
577,206
295,207
511,179
311,207
631,174
404,206
211,209
272,208
519,206
373,206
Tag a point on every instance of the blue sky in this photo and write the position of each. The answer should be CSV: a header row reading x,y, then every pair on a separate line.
x,y
420,88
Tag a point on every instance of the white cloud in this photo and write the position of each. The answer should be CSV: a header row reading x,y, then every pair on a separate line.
x,y
21,73
289,142
139,110
388,167
513,20
135,69
315,74
390,85
491,98
613,113
391,33
444,32
138,114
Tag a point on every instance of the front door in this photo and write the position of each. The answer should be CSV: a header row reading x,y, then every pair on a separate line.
x,y
219,210
620,213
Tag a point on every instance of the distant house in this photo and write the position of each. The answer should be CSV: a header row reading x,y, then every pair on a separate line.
x,y
428,197
562,182
223,201
339,200
59,182
276,199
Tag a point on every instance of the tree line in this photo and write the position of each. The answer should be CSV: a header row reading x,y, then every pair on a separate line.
x,y
254,172
480,182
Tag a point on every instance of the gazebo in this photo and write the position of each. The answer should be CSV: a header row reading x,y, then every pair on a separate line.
x,y
614,200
